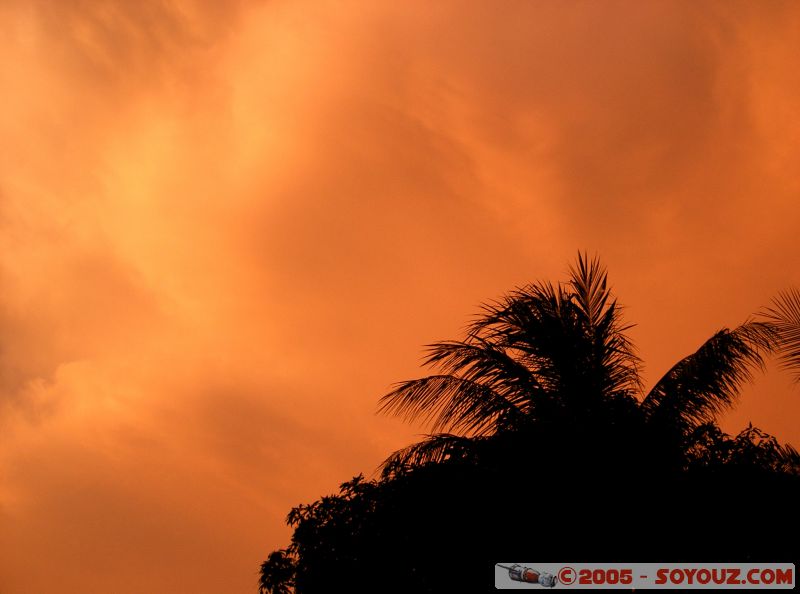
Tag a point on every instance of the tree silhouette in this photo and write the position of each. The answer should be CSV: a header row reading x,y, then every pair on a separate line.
x,y
540,408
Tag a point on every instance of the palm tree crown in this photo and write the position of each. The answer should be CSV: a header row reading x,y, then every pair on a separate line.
x,y
549,354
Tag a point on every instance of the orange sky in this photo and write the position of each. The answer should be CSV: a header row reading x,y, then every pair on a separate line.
x,y
224,232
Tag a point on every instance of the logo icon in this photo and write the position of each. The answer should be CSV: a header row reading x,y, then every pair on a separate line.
x,y
518,573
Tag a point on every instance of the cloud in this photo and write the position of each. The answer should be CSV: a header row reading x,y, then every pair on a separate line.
x,y
225,233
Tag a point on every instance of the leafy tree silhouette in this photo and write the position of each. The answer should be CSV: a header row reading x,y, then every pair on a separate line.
x,y
545,446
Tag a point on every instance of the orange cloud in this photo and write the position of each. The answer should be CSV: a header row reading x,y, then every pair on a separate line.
x,y
225,233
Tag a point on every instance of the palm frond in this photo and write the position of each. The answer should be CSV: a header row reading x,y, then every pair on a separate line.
x,y
618,363
530,324
449,402
590,284
785,316
708,381
480,360
433,449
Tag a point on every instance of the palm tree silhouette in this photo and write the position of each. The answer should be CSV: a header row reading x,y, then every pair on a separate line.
x,y
551,356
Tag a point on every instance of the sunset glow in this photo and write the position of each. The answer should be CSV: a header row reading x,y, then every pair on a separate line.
x,y
226,228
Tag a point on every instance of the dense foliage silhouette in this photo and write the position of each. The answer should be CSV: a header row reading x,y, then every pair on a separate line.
x,y
545,448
